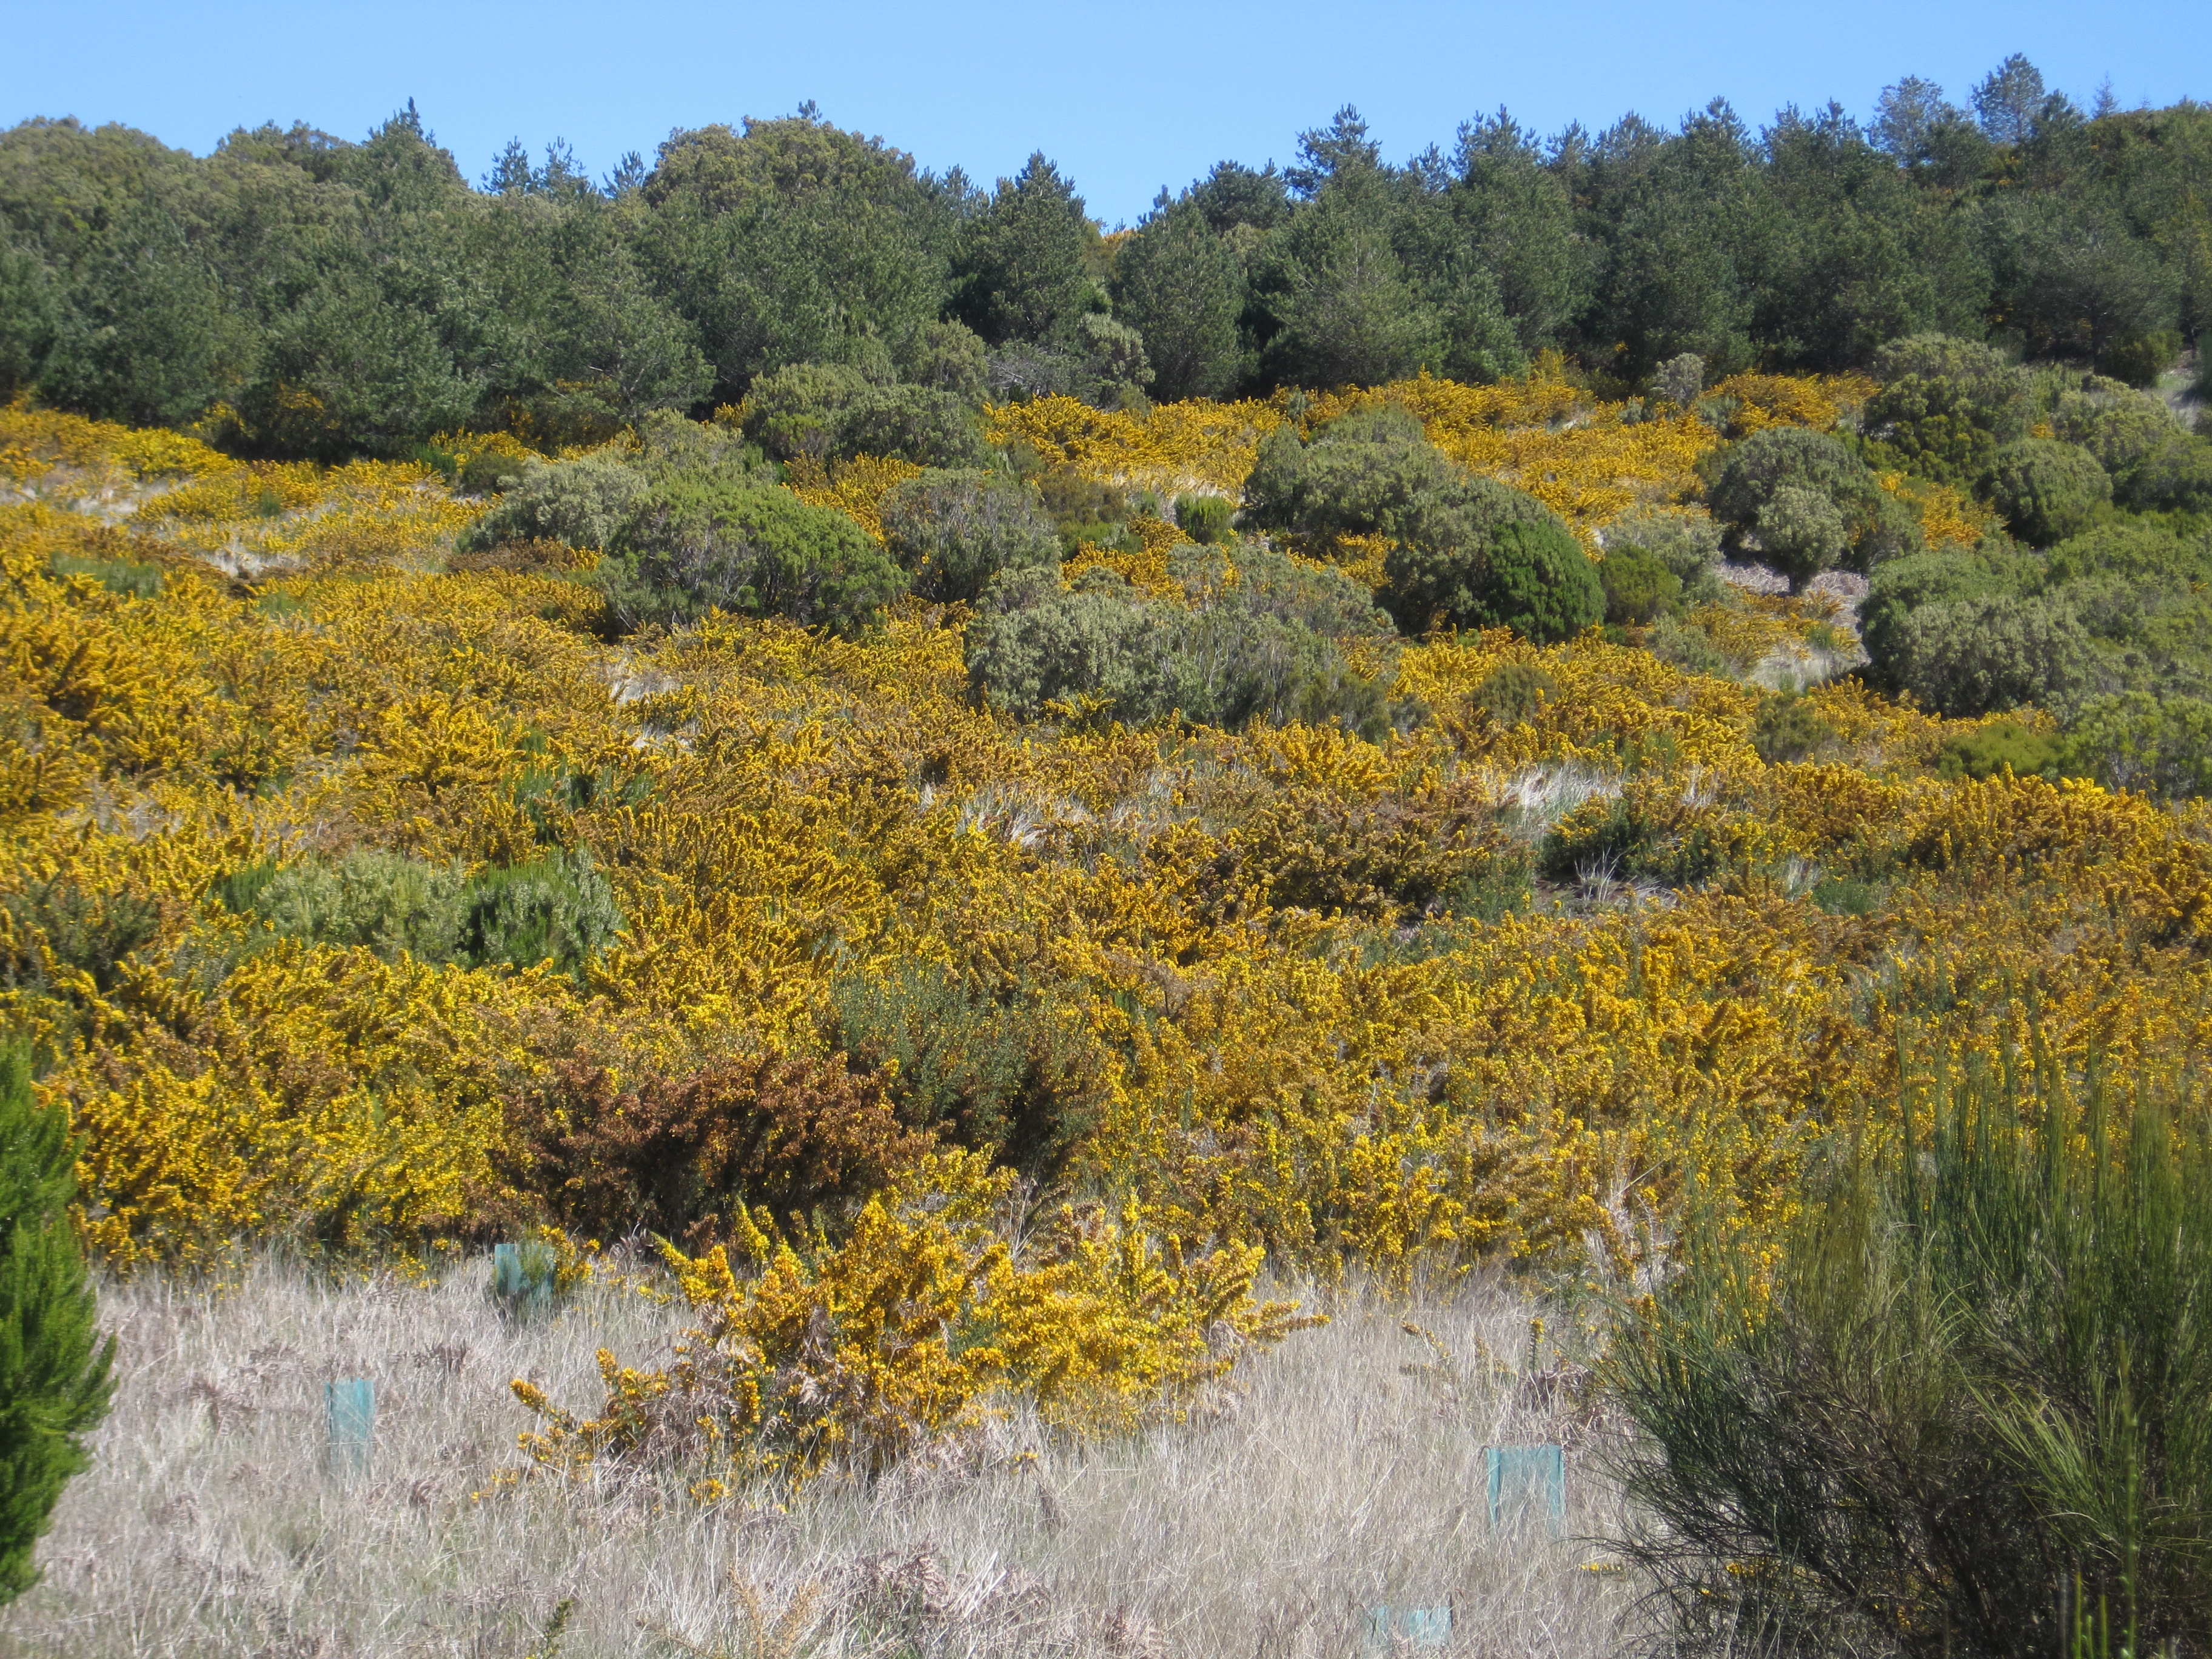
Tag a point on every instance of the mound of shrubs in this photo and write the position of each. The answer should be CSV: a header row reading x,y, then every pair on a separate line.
x,y
1265,643
1465,552
1802,503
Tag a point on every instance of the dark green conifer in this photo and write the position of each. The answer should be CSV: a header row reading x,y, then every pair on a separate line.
x,y
55,1383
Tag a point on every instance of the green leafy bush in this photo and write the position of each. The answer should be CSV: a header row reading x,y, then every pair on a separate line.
x,y
2114,423
93,933
1815,497
1989,750
833,411
1638,588
1686,540
1529,576
1788,727
586,502
952,532
1204,519
124,577
2175,477
55,1372
2156,745
1960,1412
559,909
2139,359
1972,657
2046,491
1262,646
699,545
371,899
1012,1073
1904,586
1514,694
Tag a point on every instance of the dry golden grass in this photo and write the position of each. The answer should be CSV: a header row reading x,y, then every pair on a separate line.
x,y
1347,1474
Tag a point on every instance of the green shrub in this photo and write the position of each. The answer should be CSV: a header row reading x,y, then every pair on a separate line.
x,y
1358,475
1686,540
1935,426
1688,649
2142,554
2175,477
93,933
1847,896
1514,694
2160,746
1767,485
2046,491
1989,391
1013,1074
55,1372
1036,641
696,545
1537,581
1904,585
586,503
1972,657
2139,359
2003,746
122,577
2114,423
1961,1410
1788,727
1638,588
832,411
374,900
559,909
1204,519
953,531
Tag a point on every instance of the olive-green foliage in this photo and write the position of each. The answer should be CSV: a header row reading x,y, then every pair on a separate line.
x,y
1181,286
2046,491
1788,727
2139,359
697,545
1466,551
1969,657
2003,746
1533,578
585,503
1939,576
125,577
1955,387
1011,1074
1626,842
1935,426
1638,588
1959,1415
1515,693
830,410
1686,540
88,933
2175,477
375,900
952,532
2159,746
1204,518
55,1383
1815,497
558,909
1023,269
1263,646
2119,425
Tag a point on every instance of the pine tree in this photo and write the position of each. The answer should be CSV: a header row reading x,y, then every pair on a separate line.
x,y
55,1380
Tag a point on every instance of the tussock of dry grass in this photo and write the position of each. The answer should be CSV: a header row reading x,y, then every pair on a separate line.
x,y
1334,1479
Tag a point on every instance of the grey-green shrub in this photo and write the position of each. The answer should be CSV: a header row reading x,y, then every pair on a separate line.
x,y
2119,425
1763,485
369,899
2046,491
558,909
2160,746
1529,574
586,502
1686,540
832,412
1975,656
1204,518
952,531
699,545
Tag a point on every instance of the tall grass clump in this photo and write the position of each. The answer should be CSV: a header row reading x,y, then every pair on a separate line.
x,y
1961,1406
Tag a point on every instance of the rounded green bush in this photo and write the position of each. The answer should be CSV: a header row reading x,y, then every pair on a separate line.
x,y
2046,491
1204,519
1540,584
1638,588
701,544
952,531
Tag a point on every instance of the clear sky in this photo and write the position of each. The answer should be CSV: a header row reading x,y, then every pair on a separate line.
x,y
1126,98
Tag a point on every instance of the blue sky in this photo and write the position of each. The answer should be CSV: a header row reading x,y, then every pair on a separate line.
x,y
1126,98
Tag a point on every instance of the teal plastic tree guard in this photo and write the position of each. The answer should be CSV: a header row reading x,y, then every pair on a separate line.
x,y
522,1277
1528,1484
1391,1628
351,1405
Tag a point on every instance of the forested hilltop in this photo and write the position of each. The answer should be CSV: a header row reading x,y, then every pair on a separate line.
x,y
295,294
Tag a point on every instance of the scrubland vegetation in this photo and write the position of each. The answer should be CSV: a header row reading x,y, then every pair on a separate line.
x,y
1096,904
